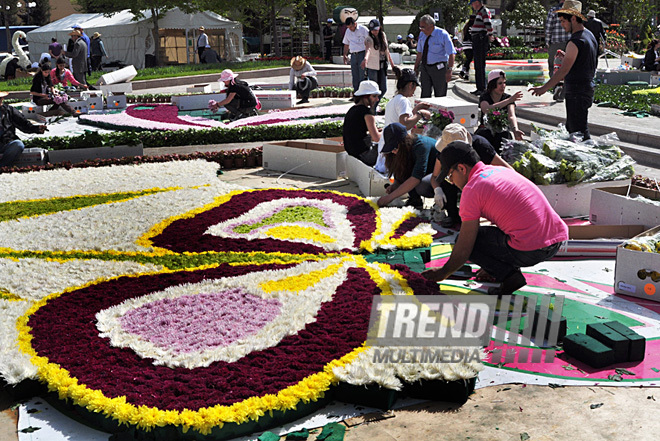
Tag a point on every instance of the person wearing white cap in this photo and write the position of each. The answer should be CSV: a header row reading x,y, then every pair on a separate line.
x,y
327,39
597,28
495,98
446,194
240,101
360,132
410,41
577,69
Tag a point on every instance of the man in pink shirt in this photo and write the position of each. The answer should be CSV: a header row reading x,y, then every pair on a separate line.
x,y
525,229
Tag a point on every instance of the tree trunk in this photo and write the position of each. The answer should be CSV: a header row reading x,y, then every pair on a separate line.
x,y
155,35
321,13
7,32
275,40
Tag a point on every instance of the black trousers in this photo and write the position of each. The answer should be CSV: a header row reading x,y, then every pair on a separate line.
x,y
578,101
479,51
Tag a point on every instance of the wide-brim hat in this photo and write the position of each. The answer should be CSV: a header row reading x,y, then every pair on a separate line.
x,y
76,33
393,135
572,7
367,87
298,62
453,132
96,35
3,94
201,28
227,75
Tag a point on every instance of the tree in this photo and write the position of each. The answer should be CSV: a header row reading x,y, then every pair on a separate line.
x,y
452,12
521,13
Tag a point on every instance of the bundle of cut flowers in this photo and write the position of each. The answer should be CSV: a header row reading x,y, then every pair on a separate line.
x,y
497,120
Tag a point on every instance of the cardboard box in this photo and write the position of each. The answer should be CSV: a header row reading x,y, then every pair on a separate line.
x,y
655,80
79,107
276,99
31,111
196,102
611,206
370,182
94,103
633,60
631,273
576,200
465,112
200,88
306,158
123,75
115,102
31,156
114,89
597,240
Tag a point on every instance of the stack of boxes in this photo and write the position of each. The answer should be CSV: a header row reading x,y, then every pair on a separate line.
x,y
605,344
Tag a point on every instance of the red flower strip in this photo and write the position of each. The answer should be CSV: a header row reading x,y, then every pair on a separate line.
x,y
64,331
165,113
188,234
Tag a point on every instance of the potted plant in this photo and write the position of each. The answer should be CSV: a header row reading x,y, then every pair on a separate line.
x,y
251,159
239,159
228,160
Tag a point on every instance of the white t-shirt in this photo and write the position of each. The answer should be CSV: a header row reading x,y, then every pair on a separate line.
x,y
397,106
355,40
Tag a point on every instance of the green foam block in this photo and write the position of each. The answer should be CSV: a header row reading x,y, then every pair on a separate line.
x,y
588,350
612,339
637,343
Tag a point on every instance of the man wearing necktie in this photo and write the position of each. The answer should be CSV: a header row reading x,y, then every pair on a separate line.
x,y
437,57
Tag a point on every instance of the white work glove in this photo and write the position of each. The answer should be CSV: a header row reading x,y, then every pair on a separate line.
x,y
440,198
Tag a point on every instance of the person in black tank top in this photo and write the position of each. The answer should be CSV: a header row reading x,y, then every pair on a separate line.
x,y
578,69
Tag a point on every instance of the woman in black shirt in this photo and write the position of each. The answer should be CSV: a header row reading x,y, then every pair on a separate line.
x,y
42,90
360,133
240,101
496,99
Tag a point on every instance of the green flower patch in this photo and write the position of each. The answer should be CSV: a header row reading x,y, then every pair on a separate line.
x,y
622,97
287,215
18,209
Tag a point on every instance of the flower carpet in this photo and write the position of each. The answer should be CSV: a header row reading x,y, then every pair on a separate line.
x,y
168,117
160,297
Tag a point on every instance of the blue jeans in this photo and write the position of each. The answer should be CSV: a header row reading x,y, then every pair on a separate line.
x,y
380,77
356,71
578,101
10,152
495,256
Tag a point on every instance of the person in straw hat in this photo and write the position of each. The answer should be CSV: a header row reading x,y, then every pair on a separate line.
x,y
241,101
11,119
202,42
97,51
302,78
78,55
446,194
577,70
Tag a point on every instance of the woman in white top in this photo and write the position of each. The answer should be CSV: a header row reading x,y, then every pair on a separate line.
x,y
400,110
377,56
302,78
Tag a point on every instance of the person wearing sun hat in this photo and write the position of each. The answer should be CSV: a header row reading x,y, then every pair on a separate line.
x,y
97,51
525,229
302,78
446,195
11,147
202,42
86,39
240,101
409,160
360,133
577,69
78,55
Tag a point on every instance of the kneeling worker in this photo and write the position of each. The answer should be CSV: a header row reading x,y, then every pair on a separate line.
x,y
11,119
525,231
240,101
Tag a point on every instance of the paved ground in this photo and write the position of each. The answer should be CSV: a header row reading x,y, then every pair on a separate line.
x,y
494,413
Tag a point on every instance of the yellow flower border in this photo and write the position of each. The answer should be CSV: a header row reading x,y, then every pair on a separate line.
x,y
203,420
421,240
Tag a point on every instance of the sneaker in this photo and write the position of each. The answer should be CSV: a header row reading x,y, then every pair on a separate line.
x,y
463,75
477,92
449,222
512,283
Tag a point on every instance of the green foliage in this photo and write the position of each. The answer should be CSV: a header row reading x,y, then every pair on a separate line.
x,y
170,138
622,97
526,13
453,13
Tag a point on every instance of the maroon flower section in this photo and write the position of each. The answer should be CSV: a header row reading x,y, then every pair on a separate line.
x,y
64,331
188,234
167,113
406,226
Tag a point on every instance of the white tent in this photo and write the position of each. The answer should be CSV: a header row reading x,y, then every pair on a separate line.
x,y
130,41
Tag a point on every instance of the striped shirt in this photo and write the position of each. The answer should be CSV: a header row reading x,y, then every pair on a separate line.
x,y
482,22
554,33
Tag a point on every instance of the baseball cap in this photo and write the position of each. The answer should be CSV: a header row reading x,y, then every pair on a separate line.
x,y
329,20
494,74
374,24
453,132
454,153
393,135
399,37
408,76
411,36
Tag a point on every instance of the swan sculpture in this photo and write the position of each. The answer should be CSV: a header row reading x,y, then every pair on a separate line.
x,y
23,59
